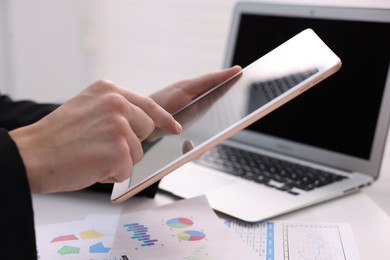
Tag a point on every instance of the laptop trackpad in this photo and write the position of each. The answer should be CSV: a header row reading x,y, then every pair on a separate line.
x,y
190,180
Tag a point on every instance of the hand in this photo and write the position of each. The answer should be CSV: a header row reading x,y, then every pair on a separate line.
x,y
94,137
179,94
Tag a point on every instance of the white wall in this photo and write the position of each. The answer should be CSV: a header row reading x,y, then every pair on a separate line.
x,y
2,44
45,59
55,48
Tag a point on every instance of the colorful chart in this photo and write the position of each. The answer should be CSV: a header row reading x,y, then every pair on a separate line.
x,y
179,222
191,235
99,248
91,234
140,233
68,250
64,238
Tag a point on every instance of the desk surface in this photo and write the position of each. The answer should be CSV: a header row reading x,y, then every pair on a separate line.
x,y
367,211
370,224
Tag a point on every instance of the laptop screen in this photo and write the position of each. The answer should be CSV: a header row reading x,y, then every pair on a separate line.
x,y
341,113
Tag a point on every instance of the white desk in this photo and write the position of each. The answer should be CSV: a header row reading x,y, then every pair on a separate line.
x,y
370,224
367,211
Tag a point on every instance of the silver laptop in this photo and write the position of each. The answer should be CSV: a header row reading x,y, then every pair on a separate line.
x,y
327,143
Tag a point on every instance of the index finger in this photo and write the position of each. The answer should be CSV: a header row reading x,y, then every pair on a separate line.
x,y
205,82
161,118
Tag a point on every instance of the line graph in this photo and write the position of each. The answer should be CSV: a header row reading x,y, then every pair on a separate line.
x,y
312,241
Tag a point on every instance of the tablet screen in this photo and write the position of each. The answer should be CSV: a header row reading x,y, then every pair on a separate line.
x,y
229,107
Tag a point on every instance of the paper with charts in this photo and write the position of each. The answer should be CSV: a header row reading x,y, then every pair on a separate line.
x,y
186,229
190,230
297,241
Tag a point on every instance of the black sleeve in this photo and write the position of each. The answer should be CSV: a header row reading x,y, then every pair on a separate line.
x,y
17,217
14,114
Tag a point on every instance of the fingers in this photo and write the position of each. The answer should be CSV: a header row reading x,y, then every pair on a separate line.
x,y
179,94
141,110
140,115
125,119
161,118
203,83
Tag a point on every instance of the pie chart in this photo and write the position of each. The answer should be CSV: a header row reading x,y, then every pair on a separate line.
x,y
179,222
191,235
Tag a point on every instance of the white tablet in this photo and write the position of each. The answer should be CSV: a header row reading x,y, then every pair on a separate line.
x,y
266,84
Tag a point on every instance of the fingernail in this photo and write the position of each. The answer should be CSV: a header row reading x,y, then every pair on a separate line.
x,y
178,127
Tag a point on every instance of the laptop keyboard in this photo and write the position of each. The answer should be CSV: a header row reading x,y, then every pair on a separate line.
x,y
282,175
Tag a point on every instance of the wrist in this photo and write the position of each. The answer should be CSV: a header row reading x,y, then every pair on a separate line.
x,y
30,154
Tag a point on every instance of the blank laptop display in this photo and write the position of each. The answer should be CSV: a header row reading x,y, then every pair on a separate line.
x,y
326,143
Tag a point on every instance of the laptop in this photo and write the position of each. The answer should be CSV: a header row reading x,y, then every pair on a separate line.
x,y
324,144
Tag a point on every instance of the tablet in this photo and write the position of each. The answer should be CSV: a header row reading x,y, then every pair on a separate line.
x,y
258,89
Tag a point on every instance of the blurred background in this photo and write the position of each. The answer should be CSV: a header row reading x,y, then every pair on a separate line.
x,y
52,49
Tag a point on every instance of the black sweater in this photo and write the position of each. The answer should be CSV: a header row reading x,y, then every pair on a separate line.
x,y
17,212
